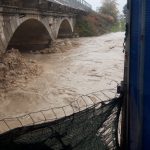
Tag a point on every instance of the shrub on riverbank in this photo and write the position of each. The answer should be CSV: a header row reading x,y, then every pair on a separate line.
x,y
95,24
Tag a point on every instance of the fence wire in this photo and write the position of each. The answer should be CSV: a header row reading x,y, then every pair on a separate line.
x,y
89,123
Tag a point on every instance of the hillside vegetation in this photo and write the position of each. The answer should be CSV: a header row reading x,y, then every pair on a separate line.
x,y
106,20
94,24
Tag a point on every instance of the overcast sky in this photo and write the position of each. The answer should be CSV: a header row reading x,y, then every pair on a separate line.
x,y
97,3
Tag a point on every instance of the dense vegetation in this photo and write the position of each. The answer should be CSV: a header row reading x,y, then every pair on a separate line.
x,y
106,20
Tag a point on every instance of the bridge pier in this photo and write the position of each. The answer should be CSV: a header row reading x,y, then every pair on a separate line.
x,y
33,31
55,19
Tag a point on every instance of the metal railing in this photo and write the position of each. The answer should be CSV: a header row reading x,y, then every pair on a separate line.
x,y
77,4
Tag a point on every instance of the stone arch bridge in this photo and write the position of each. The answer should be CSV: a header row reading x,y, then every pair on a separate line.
x,y
33,25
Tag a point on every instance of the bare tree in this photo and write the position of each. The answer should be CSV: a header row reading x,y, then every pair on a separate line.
x,y
109,7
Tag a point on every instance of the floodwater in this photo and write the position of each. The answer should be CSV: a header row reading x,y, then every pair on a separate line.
x,y
95,65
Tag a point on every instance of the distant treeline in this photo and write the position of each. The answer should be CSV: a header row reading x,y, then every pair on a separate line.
x,y
105,20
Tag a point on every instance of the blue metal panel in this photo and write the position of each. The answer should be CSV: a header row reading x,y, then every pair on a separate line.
x,y
146,87
139,76
134,76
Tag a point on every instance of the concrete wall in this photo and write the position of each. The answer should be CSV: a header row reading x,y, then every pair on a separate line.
x,y
10,24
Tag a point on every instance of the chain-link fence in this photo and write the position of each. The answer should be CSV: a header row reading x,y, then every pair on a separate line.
x,y
88,123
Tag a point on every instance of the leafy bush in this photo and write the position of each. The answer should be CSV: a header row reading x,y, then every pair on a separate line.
x,y
93,24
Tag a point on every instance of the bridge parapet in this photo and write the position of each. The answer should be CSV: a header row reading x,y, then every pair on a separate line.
x,y
75,6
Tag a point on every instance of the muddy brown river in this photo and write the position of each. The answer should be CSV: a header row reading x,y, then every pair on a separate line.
x,y
95,65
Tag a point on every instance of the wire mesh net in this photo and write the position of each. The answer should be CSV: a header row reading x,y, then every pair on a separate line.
x,y
86,124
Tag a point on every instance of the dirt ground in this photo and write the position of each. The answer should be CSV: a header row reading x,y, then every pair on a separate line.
x,y
15,69
95,65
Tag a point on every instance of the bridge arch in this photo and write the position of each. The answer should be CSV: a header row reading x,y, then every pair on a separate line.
x,y
30,34
65,28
